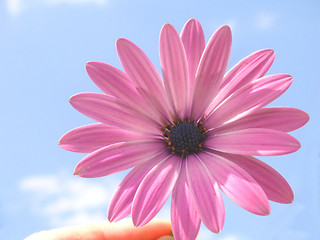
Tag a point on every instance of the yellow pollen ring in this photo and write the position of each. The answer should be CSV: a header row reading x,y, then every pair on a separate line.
x,y
169,143
200,145
173,148
183,151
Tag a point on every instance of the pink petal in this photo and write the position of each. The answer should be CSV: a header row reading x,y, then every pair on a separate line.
x,y
237,184
120,205
253,141
254,66
145,76
205,194
252,96
250,68
116,83
211,69
174,69
89,138
111,80
154,190
184,216
273,184
117,157
194,43
284,119
109,110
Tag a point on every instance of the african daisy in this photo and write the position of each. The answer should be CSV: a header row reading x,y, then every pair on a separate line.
x,y
192,132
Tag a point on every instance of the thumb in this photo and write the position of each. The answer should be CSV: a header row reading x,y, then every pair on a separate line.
x,y
121,230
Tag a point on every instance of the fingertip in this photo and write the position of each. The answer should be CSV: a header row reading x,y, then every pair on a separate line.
x,y
121,230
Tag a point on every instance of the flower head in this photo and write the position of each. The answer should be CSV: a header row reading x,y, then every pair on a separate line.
x,y
192,132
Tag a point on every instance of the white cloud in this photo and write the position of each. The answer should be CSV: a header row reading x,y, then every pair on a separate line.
x,y
67,200
16,7
232,23
264,20
41,185
205,234
98,2
230,238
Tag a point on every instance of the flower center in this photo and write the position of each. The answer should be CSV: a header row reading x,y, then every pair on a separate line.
x,y
184,137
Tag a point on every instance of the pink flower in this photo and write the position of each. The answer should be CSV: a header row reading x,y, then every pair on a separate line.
x,y
191,132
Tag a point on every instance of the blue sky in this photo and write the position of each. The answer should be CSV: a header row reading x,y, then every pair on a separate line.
x,y
44,46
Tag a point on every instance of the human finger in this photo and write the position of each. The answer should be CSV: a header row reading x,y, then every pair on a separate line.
x,y
121,230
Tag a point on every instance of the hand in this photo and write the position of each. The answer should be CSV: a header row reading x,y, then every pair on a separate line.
x,y
122,230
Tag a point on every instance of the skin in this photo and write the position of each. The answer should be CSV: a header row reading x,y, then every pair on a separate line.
x,y
122,230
